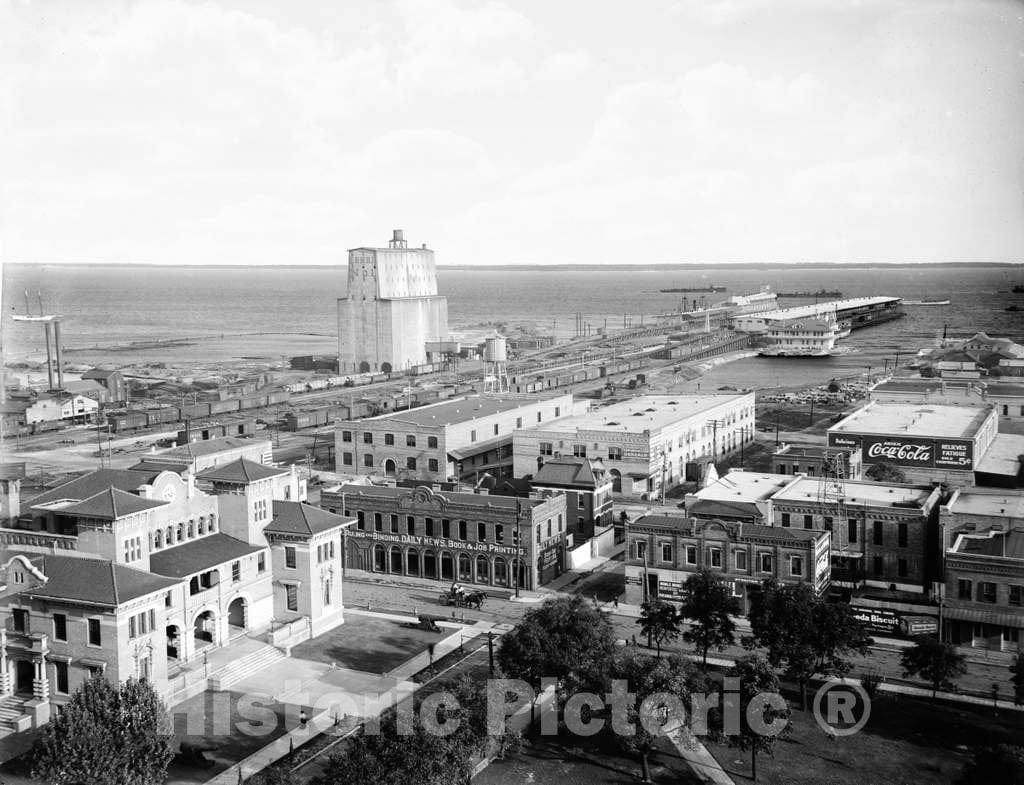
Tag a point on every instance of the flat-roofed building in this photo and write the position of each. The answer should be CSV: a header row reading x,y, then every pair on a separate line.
x,y
984,603
587,489
662,551
465,537
811,459
646,443
978,510
1007,397
461,438
883,535
738,496
927,442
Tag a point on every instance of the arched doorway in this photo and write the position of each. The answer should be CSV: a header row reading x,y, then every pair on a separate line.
x,y
174,643
24,675
447,567
236,614
412,561
364,367
465,568
390,468
482,570
378,558
616,481
204,628
385,367
500,571
396,560
429,564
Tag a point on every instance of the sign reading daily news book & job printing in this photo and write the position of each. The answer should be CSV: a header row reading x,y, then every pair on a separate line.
x,y
906,451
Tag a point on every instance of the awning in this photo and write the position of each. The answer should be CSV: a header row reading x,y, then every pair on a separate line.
x,y
479,447
984,617
639,475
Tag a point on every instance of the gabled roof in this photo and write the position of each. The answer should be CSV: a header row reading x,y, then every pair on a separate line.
x,y
302,518
93,581
110,504
94,482
573,472
716,508
242,471
199,555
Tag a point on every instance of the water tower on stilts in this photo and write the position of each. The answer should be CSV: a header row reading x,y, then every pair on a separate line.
x,y
51,324
496,358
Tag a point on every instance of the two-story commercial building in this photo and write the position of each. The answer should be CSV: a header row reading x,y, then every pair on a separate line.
x,y
480,539
662,551
588,493
648,443
458,439
738,496
984,603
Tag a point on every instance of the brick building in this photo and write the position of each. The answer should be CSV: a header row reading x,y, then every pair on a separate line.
x,y
588,493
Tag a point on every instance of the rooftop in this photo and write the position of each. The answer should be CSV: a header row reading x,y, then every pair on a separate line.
x,y
992,543
242,471
205,553
302,518
915,419
811,309
456,410
93,581
809,450
94,482
456,497
567,471
1004,504
207,447
643,413
740,485
110,504
12,471
858,492
686,526
1003,455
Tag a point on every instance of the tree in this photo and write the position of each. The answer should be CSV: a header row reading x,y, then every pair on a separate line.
x,y
1017,679
804,633
1002,763
757,677
647,676
106,735
885,472
710,607
566,638
660,622
938,663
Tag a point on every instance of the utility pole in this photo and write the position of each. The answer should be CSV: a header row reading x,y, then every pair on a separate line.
x,y
811,422
519,545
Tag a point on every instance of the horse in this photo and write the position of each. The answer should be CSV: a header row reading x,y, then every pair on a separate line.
x,y
475,599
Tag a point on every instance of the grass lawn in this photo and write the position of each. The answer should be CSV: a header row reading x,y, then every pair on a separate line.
x,y
906,740
367,644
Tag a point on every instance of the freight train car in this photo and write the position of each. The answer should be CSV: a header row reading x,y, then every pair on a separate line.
x,y
223,407
195,410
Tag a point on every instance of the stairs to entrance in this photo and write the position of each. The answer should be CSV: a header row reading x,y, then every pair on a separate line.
x,y
244,666
13,716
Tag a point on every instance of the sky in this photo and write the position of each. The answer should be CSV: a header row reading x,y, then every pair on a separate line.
x,y
525,132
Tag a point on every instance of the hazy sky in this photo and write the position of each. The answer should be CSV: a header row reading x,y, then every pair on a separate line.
x,y
539,131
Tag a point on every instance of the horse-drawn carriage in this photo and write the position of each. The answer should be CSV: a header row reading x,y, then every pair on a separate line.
x,y
460,597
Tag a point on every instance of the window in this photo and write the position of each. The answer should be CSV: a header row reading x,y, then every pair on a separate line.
x,y
95,639
614,453
851,529
368,460
828,524
878,565
808,521
558,411
410,440
666,552
481,532
20,616
432,442
389,440
538,532
291,597
519,422
691,554
901,568
61,672
766,562
367,438
963,589
641,550
360,520
446,528
261,562
428,526
410,524
1016,591
495,429
60,627
986,592
546,448
346,436
579,450
410,463
462,531
378,522
741,560
432,464
472,436
538,417
346,458
715,557
796,566
499,533
236,571
876,533
549,527
394,524
289,556
785,519
902,535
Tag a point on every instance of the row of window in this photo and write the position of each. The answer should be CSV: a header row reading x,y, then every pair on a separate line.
x,y
142,623
987,591
877,529
19,620
175,534
443,527
411,463
389,439
714,558
210,578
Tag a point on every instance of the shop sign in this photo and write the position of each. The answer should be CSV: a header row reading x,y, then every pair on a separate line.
x,y
438,542
893,623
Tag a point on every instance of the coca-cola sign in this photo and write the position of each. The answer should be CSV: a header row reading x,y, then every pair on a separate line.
x,y
902,452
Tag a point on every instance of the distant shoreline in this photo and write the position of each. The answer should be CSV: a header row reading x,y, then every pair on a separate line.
x,y
618,267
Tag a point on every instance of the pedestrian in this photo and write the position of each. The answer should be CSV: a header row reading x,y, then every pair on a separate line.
x,y
615,600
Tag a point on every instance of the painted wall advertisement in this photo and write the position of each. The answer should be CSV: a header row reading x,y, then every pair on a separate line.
x,y
906,451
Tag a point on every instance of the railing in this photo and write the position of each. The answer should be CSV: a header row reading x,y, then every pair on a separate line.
x,y
290,633
55,542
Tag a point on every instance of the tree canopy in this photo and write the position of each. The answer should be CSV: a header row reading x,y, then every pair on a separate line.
x,y
107,735
660,622
758,679
938,663
885,472
709,606
566,638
